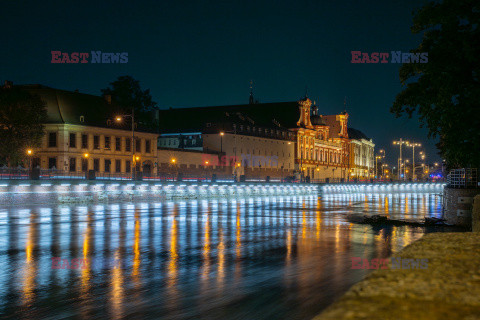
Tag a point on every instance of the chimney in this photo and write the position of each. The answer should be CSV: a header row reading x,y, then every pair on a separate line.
x,y
8,84
108,98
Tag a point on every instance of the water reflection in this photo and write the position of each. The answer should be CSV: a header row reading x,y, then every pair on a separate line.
x,y
276,257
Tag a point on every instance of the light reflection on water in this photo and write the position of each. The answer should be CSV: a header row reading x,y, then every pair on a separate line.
x,y
277,257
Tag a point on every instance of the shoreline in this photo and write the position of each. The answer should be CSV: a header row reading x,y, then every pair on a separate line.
x,y
449,288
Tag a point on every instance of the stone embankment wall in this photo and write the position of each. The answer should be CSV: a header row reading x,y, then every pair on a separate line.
x,y
458,206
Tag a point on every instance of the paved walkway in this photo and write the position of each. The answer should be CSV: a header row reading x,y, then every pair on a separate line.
x,y
449,288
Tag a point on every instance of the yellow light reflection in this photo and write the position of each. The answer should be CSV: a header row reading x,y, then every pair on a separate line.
x,y
221,258
30,269
173,264
136,248
117,293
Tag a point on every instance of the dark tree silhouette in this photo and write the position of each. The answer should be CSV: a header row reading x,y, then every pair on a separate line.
x,y
445,92
22,116
126,94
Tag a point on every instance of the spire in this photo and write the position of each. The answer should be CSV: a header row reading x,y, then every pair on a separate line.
x,y
250,100
345,105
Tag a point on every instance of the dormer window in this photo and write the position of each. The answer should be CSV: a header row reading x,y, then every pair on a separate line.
x,y
82,119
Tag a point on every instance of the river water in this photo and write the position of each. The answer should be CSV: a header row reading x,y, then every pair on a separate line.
x,y
251,258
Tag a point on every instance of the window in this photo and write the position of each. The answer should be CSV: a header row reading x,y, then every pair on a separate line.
x,y
84,141
96,142
73,140
73,164
118,166
52,139
127,145
52,163
96,165
108,164
107,143
147,146
118,144
138,145
128,166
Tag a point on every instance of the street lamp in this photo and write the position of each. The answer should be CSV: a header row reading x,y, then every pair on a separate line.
x,y
400,142
413,145
119,118
221,141
29,154
376,166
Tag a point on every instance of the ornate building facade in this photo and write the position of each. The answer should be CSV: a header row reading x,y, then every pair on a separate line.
x,y
322,146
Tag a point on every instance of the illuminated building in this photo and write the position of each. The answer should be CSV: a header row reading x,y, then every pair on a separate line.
x,y
293,134
81,134
361,155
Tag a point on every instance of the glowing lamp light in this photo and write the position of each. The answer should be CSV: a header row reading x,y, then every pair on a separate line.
x,y
222,133
86,155
206,162
173,160
118,118
137,158
29,152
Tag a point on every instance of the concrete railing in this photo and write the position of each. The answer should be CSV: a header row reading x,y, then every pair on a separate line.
x,y
23,192
416,187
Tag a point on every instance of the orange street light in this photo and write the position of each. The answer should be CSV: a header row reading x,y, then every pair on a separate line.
x,y
137,158
173,160
238,164
86,155
118,119
206,162
29,152
222,133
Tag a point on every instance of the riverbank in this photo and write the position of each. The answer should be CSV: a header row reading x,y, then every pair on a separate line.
x,y
449,288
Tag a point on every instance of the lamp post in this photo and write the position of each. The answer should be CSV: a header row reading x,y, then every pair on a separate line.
x,y
400,142
29,154
376,165
206,164
405,169
174,162
221,141
413,145
132,116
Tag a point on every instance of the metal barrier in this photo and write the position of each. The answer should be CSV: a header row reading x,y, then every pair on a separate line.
x,y
463,178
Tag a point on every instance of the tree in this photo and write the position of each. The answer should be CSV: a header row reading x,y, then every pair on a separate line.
x,y
21,123
126,94
445,91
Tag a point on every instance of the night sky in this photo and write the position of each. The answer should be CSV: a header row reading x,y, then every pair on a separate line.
x,y
206,52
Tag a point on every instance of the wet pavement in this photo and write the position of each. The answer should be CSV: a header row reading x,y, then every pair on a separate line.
x,y
251,258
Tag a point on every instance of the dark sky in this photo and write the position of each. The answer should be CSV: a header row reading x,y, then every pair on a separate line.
x,y
206,52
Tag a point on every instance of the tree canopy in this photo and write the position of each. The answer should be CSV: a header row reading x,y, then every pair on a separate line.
x,y
21,123
445,91
126,94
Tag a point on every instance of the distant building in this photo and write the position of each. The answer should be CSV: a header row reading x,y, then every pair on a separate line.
x,y
275,139
81,135
362,155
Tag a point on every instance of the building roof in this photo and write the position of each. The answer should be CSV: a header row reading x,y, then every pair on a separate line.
x,y
272,115
73,107
356,134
